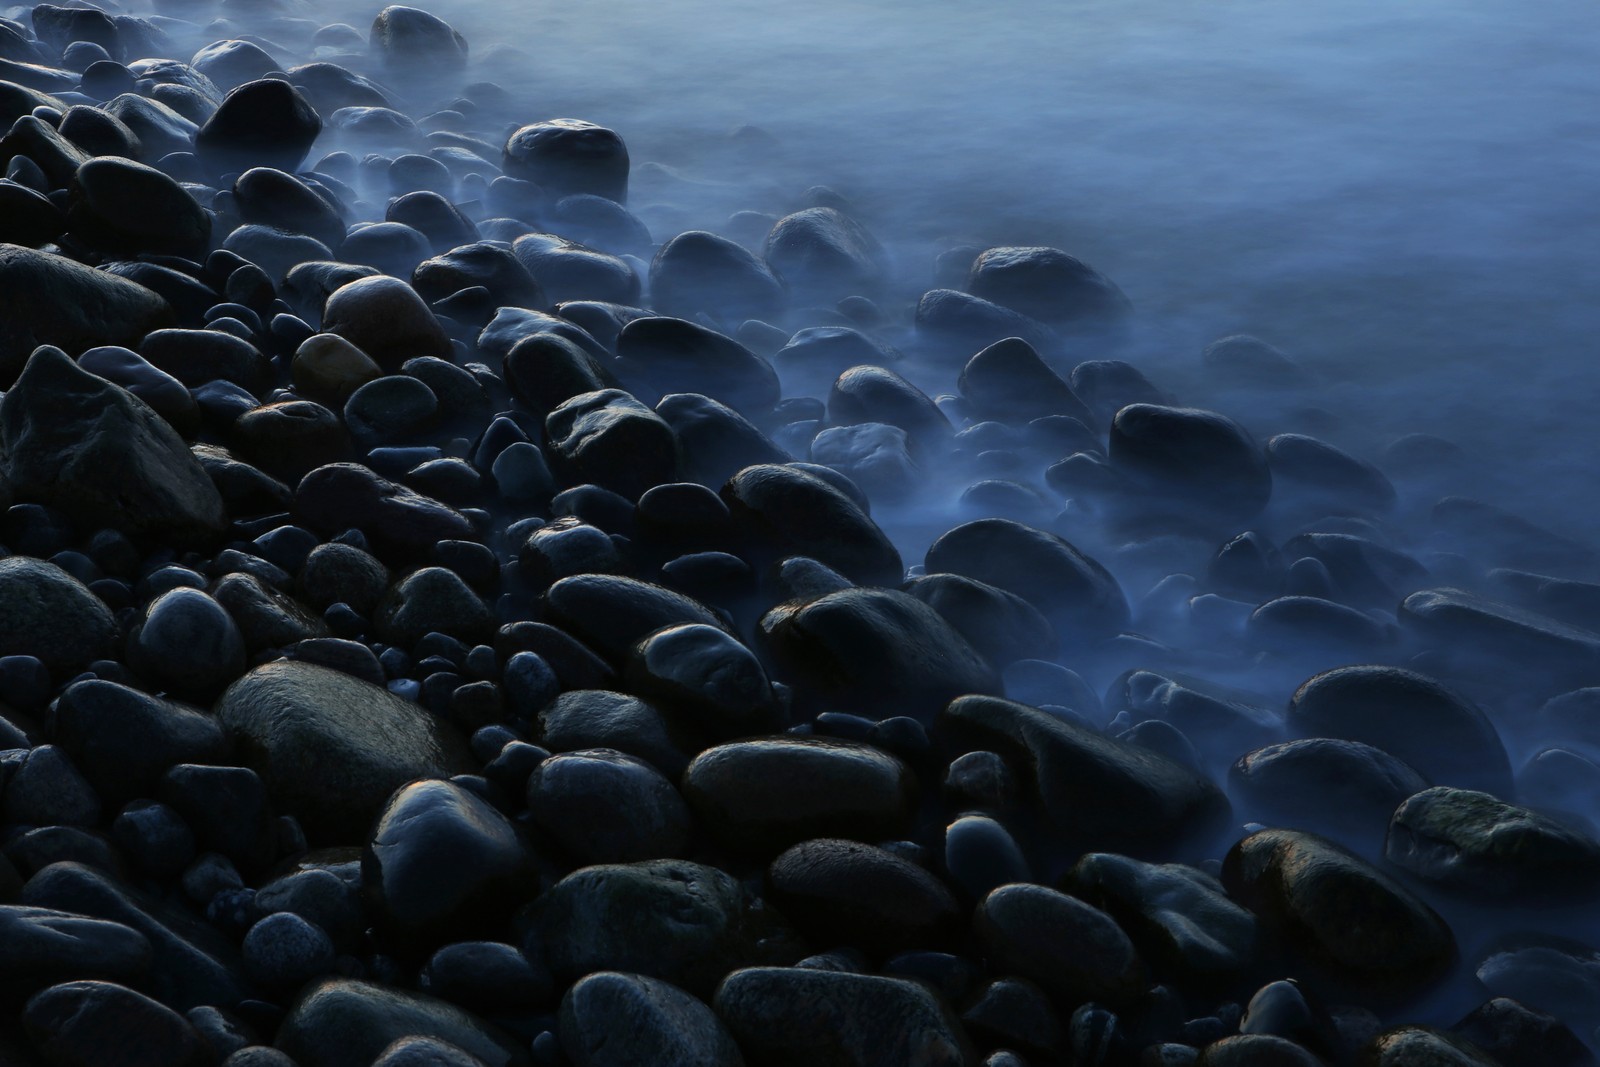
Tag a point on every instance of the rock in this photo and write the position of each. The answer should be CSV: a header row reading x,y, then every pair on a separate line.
x,y
567,157
425,1052
1221,719
612,440
402,525
340,1021
266,123
120,205
1340,789
1512,1033
1008,381
1364,572
544,370
79,1024
1249,362
47,613
385,318
980,855
879,652
1076,594
1002,626
1048,285
480,263
593,718
1109,385
44,789
698,272
442,865
102,456
610,1019
1307,891
602,806
793,1017
763,795
1508,539
1420,1046
408,40
611,613
284,951
190,962
1327,476
1549,973
1180,918
160,129
1311,628
290,438
676,921
567,271
42,946
332,748
1197,462
1408,715
1074,951
1481,846
877,394
1470,628
229,64
274,198
189,644
1099,793
823,255
196,357
30,218
52,300
1256,1050
704,676
714,441
793,513
430,600
845,892
666,355
124,740
227,809
266,617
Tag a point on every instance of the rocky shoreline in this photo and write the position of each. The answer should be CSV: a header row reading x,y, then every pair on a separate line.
x,y
447,620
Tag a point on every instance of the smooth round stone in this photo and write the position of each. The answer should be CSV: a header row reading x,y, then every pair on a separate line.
x,y
1407,1045
980,855
567,157
123,205
340,1021
660,355
431,600
612,440
1072,590
772,1012
487,976
611,613
791,512
823,255
1242,360
164,393
332,748
1410,716
714,440
1101,794
705,675
611,1019
1327,474
872,394
1073,950
320,897
566,271
402,525
190,644
342,574
123,739
1197,462
443,864
568,547
845,892
284,951
680,922
231,63
43,788
1180,917
408,40
1480,846
425,1052
274,198
1303,888
50,615
603,806
1256,1050
879,651
1009,381
266,123
86,1024
1048,285
1344,789
1512,1033
42,946
699,272
764,795
594,718
386,319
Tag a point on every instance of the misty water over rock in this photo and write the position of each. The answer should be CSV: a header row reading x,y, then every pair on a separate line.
x,y
702,533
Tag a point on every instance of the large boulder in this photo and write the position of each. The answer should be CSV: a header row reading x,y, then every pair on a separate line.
x,y
101,455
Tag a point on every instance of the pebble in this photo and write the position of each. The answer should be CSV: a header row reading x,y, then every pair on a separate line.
x,y
611,1019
